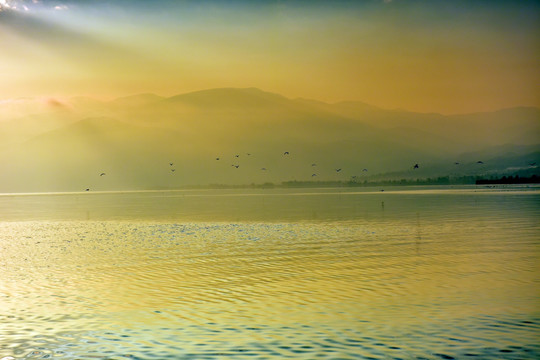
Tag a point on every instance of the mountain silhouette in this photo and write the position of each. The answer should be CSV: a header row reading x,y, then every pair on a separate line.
x,y
134,138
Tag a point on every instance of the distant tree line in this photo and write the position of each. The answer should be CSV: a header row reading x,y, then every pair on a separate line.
x,y
441,180
510,180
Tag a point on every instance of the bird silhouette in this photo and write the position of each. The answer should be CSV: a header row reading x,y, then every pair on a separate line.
x,y
236,166
173,170
312,175
479,162
313,164
87,190
416,166
532,164
217,158
338,170
364,169
263,168
171,164
236,155
456,163
102,174
286,153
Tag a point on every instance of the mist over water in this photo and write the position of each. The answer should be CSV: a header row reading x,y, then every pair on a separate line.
x,y
271,274
239,136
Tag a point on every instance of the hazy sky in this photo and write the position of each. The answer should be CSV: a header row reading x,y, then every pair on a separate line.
x,y
443,56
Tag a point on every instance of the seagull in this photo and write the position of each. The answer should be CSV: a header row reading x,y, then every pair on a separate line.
x,y
416,166
102,174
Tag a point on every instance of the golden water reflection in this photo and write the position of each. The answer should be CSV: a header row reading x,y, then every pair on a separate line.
x,y
426,275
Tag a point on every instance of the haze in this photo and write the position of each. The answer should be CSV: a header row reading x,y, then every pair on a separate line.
x,y
425,56
127,87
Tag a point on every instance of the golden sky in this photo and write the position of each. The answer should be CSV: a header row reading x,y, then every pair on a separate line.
x,y
429,56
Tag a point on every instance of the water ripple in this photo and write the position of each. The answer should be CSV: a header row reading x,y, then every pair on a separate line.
x,y
406,283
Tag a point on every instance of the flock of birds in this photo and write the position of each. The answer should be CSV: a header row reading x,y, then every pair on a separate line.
x,y
287,153
414,167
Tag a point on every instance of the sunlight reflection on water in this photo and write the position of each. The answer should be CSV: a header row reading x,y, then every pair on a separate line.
x,y
217,274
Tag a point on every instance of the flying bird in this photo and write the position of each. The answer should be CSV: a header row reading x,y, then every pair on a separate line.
x,y
236,155
173,170
456,163
87,190
416,166
217,158
338,170
312,175
286,153
236,166
479,162
532,164
313,164
364,169
171,164
102,174
263,168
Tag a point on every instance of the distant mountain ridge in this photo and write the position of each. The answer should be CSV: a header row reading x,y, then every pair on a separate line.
x,y
230,97
135,138
138,99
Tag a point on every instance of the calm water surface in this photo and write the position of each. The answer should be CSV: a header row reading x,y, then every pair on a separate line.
x,y
415,273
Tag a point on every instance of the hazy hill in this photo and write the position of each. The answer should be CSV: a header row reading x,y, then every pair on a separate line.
x,y
228,98
134,139
19,129
136,100
519,125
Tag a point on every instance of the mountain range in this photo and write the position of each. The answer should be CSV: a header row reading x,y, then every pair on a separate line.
x,y
244,136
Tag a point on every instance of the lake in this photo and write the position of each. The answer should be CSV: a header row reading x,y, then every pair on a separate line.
x,y
341,273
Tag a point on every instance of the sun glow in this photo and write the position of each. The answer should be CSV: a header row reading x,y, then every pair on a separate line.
x,y
13,5
350,52
4,4
27,6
